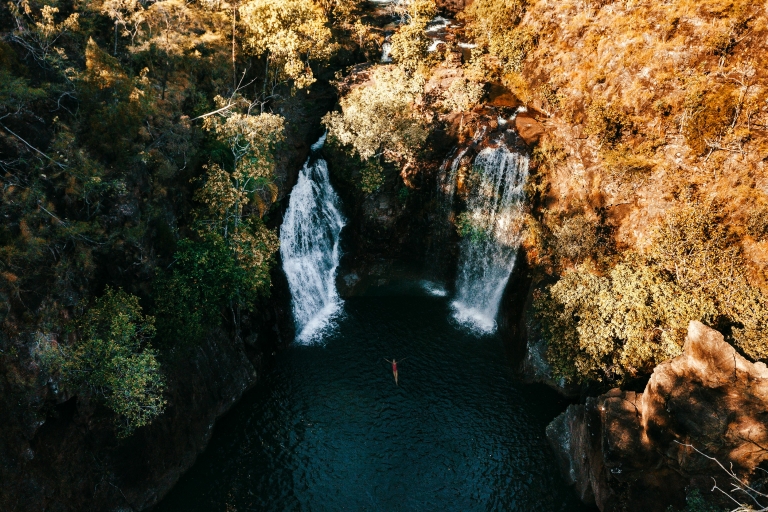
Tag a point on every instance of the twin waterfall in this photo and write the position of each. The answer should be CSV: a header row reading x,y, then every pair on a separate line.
x,y
309,247
309,239
492,228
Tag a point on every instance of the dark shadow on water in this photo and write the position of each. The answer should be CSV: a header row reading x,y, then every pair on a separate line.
x,y
328,429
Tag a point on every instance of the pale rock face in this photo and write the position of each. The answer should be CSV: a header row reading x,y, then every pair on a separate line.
x,y
628,451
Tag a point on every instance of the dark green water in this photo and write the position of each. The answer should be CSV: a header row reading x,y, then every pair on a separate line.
x,y
328,430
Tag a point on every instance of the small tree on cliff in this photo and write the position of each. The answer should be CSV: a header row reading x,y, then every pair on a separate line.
x,y
114,360
289,35
229,263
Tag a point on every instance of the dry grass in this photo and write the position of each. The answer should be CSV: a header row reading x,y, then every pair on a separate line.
x,y
654,103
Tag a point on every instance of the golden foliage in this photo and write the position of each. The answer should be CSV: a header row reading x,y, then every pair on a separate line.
x,y
410,43
251,140
290,33
625,321
494,26
379,118
462,95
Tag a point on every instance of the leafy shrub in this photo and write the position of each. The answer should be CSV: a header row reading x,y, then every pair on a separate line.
x,y
114,360
625,321
212,274
606,122
471,228
371,177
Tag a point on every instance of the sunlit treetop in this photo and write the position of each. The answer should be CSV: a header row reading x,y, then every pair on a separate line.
x,y
290,34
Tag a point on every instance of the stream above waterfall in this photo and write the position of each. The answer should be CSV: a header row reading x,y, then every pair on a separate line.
x,y
327,429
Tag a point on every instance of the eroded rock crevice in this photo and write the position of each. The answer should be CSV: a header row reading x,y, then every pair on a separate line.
x,y
643,451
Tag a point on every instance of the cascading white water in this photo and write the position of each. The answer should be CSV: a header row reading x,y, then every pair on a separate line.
x,y
492,226
309,246
386,50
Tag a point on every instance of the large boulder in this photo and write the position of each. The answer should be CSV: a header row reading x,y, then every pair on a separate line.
x,y
643,451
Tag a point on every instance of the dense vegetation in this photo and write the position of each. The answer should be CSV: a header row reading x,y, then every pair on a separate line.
x,y
138,145
658,142
140,141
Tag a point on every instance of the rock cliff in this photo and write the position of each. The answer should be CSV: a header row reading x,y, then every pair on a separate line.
x,y
59,452
643,451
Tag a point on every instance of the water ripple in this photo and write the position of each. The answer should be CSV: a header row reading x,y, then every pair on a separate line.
x,y
329,430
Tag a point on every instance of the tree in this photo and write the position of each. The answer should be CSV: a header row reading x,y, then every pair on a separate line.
x,y
289,35
114,360
410,44
250,141
38,33
495,27
229,262
379,118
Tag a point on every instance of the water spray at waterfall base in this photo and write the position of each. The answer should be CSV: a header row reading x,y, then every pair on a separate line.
x,y
309,247
491,229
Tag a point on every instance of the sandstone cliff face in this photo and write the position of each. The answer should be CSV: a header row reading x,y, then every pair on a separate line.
x,y
632,451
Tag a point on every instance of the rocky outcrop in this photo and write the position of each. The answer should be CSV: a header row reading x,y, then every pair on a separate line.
x,y
638,451
452,6
529,129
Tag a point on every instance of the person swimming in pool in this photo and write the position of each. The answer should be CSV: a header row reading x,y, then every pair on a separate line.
x,y
393,362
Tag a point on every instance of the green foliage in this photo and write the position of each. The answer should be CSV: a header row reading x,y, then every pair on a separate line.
x,y
696,502
371,176
114,360
380,118
606,122
624,321
470,227
210,275
16,94
402,195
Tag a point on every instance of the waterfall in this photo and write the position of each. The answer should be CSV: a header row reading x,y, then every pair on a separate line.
x,y
492,227
386,50
309,247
